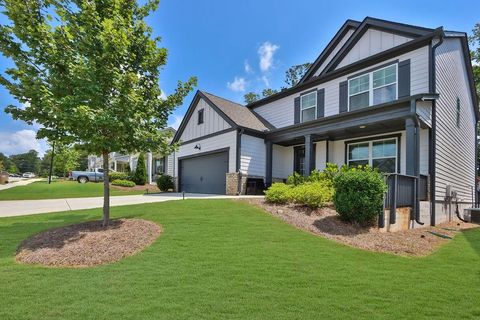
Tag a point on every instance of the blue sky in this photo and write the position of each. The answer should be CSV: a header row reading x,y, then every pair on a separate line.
x,y
238,46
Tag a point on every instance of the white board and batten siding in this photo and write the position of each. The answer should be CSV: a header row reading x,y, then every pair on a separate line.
x,y
212,122
372,42
217,142
455,146
252,156
280,113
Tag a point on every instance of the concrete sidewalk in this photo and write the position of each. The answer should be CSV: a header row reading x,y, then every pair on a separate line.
x,y
26,207
15,182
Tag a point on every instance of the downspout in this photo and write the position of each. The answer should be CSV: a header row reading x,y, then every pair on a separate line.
x,y
414,116
432,148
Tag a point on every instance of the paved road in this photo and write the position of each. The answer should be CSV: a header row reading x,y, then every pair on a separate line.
x,y
26,207
15,182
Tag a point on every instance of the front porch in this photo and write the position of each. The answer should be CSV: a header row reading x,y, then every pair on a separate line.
x,y
394,138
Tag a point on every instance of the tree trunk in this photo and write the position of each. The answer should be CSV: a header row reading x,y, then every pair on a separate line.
x,y
106,190
51,163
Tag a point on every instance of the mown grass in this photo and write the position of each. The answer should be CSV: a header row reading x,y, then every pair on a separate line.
x,y
60,189
222,259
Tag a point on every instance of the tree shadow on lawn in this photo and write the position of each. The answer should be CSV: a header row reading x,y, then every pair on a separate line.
x,y
473,238
334,226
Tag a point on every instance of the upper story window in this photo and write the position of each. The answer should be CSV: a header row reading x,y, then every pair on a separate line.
x,y
308,106
458,112
200,116
373,88
381,154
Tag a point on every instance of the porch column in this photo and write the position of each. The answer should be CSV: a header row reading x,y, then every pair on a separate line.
x,y
149,167
309,165
412,156
115,165
269,163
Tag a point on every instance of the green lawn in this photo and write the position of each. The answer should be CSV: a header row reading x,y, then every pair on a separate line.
x,y
60,189
219,259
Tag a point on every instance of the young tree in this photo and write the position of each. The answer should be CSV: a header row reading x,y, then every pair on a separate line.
x,y
66,159
475,54
140,175
295,73
268,92
89,71
251,97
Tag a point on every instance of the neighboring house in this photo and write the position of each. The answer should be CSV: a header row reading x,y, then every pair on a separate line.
x,y
398,97
157,164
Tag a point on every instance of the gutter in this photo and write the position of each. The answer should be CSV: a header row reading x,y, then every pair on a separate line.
x,y
433,138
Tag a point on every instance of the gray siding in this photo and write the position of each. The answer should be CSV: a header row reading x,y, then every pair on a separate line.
x,y
252,156
281,112
334,52
212,122
455,147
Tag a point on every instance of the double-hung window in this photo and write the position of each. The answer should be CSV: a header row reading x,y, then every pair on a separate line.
x,y
373,88
308,106
380,154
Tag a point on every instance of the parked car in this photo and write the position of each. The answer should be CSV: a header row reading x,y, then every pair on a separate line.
x,y
14,175
86,176
28,175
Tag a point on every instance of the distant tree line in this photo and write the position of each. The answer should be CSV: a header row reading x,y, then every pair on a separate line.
x,y
67,158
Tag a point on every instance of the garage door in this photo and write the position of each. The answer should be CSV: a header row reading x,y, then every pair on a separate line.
x,y
204,174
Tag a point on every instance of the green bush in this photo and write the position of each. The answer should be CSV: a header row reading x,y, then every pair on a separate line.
x,y
118,176
295,179
123,183
140,175
313,194
279,193
359,194
165,182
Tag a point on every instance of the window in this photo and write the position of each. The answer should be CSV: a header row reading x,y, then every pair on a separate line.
x,y
159,166
299,160
373,88
308,106
458,112
200,116
381,154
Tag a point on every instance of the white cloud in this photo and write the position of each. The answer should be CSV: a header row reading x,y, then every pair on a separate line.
x,y
238,84
248,67
20,142
265,54
265,81
175,121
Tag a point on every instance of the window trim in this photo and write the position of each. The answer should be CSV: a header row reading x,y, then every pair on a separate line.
x,y
370,141
202,118
370,85
314,106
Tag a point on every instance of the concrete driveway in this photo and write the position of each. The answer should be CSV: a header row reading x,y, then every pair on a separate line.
x,y
26,207
15,182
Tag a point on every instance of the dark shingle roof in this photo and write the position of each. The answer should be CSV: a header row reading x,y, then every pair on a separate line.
x,y
239,114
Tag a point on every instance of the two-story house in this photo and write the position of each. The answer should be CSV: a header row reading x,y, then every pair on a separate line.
x,y
398,97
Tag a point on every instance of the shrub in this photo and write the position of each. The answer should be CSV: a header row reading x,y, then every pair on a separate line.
x,y
123,183
359,194
295,179
118,176
165,182
313,194
279,193
140,175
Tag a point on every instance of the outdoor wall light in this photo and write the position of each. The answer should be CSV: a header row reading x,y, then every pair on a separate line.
x,y
362,127
197,146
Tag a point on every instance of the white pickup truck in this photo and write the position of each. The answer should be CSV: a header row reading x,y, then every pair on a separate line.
x,y
86,176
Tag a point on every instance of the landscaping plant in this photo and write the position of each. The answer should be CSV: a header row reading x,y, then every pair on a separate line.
x,y
359,194
165,182
312,194
118,176
279,193
89,71
140,175
123,183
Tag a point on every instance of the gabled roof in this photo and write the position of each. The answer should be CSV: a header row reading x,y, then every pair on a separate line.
x,y
382,25
237,115
348,25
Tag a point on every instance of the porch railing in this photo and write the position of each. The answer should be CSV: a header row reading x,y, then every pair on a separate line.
x,y
402,192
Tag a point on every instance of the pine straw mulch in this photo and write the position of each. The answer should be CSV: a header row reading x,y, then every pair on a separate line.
x,y
325,222
88,244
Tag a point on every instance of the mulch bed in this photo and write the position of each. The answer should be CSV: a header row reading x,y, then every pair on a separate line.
x,y
88,244
326,223
148,188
